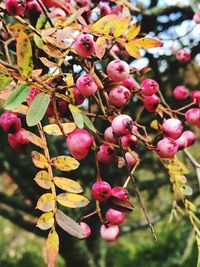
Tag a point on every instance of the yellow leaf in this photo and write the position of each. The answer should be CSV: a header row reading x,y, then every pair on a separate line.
x,y
147,43
53,129
52,52
52,247
133,31
111,26
122,23
22,109
100,24
65,163
46,221
68,185
100,47
48,63
34,139
182,167
132,49
16,28
155,124
70,79
72,200
43,179
39,160
46,202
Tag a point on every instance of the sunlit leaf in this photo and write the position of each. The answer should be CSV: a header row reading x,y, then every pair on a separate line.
x,y
69,225
100,24
37,109
123,24
46,202
43,179
46,221
39,160
72,200
65,163
147,43
133,31
187,190
53,129
77,115
5,80
111,26
52,247
17,96
24,55
68,185
133,50
100,47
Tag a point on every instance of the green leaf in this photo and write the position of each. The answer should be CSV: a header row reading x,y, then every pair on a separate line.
x,y
17,96
4,81
89,123
187,190
24,55
198,245
37,109
77,116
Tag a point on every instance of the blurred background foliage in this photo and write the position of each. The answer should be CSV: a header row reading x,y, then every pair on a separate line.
x,y
21,243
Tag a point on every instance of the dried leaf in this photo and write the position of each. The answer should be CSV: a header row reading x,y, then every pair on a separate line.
x,y
43,179
52,52
46,221
39,160
133,31
100,47
46,202
48,63
34,139
55,42
68,185
52,247
120,205
53,129
65,163
69,225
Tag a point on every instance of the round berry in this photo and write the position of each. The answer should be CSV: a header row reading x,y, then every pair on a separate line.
x,y
15,7
105,153
172,128
121,193
183,55
118,70
10,122
122,124
129,84
86,230
119,96
181,92
115,216
101,191
108,135
149,87
79,98
130,159
84,45
86,85
166,148
196,17
18,140
151,103
190,137
105,10
129,141
193,116
196,96
109,233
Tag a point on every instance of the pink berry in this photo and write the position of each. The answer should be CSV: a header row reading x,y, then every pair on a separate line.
x,y
129,84
131,161
79,142
122,124
105,153
129,141
104,10
33,92
83,3
118,70
15,7
63,109
196,17
172,128
121,193
49,3
190,136
108,135
119,96
84,45
181,92
86,85
101,191
196,96
33,10
166,148
183,55
86,230
18,140
149,87
151,103
115,216
10,122
181,142
79,98
116,9
109,233
57,12
193,116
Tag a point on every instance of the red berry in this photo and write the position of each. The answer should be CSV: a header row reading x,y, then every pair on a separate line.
x,y
79,98
63,109
129,141
18,140
166,148
118,70
196,17
86,230
193,116
183,55
115,216
149,87
105,153
196,96
57,12
151,103
172,128
84,45
33,10
101,191
105,10
131,161
79,142
86,85
10,122
108,135
181,92
109,233
190,137
122,124
129,84
15,7
33,92
121,193
119,96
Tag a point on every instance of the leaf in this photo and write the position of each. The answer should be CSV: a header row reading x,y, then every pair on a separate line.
x,y
34,139
100,47
119,204
123,23
154,124
198,245
55,42
38,41
5,80
37,109
39,160
111,26
133,31
187,190
74,16
53,129
24,55
43,179
69,225
46,221
68,185
70,79
100,24
89,123
65,163
52,247
147,43
52,52
77,116
132,49
48,63
72,200
17,96
46,202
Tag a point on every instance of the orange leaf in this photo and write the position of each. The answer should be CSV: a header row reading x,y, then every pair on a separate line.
x,y
100,47
133,50
39,160
147,43
34,139
52,247
133,31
